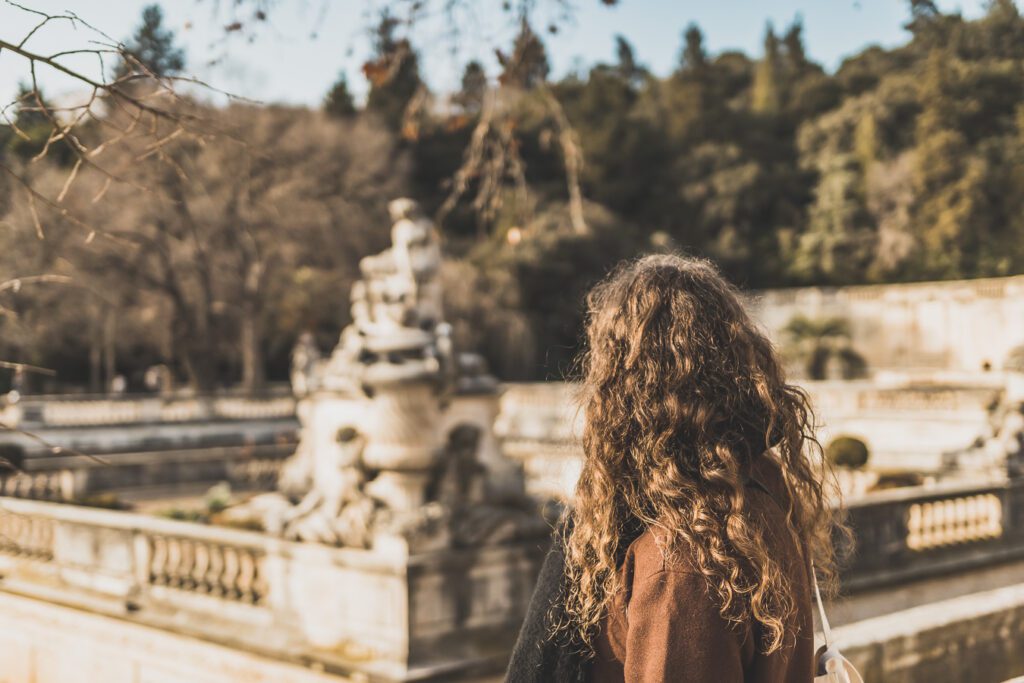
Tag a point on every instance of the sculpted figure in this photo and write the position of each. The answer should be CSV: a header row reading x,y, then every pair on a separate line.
x,y
337,510
305,356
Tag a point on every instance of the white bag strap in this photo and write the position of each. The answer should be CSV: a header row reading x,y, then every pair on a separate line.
x,y
825,628
838,668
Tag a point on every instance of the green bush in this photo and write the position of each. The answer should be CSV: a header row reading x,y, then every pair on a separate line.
x,y
847,451
107,501
182,515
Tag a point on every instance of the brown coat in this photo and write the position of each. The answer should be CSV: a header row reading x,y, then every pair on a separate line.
x,y
666,627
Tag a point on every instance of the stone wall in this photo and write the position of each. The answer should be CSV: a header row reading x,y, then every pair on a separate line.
x,y
907,426
959,325
49,643
968,639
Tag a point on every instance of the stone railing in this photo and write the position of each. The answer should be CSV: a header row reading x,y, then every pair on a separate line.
x,y
229,568
124,555
85,411
916,532
54,484
906,426
73,478
362,614
26,536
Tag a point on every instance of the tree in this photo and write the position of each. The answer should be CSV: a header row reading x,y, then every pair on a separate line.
x,y
474,86
922,12
151,51
393,73
693,57
767,90
793,44
626,60
527,66
31,126
338,102
210,255
838,244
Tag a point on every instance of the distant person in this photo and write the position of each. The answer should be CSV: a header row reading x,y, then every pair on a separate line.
x,y
118,385
158,379
18,380
688,553
17,386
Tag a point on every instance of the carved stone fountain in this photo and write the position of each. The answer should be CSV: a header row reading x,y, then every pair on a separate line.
x,y
398,465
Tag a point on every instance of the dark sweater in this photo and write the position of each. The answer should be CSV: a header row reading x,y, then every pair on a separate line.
x,y
537,657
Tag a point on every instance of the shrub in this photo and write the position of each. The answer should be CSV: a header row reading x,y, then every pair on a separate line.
x,y
847,451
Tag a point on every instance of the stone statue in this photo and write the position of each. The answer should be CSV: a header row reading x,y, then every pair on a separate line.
x,y
392,476
305,356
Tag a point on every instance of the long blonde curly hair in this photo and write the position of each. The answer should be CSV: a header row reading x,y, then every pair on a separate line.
x,y
681,395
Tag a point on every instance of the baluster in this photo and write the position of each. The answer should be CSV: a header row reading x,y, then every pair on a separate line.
x,y
927,525
201,565
173,561
158,560
246,581
995,516
188,551
259,584
959,518
215,570
915,528
230,573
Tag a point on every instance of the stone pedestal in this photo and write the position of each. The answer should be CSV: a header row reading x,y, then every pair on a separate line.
x,y
421,617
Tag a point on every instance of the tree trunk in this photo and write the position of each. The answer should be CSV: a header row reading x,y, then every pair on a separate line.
x,y
109,349
95,366
251,341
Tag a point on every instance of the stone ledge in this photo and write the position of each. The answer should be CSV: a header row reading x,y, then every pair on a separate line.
x,y
970,638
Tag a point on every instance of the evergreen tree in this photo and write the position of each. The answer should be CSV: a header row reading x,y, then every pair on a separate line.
x,y
693,57
474,86
767,96
627,66
922,12
928,25
527,66
1002,30
32,121
793,42
152,51
394,74
338,102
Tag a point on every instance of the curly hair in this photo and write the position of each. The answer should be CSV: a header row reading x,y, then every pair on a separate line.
x,y
682,394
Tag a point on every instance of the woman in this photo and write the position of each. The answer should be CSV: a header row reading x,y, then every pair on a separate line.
x,y
688,553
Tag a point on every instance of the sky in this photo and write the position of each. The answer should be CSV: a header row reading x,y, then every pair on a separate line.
x,y
296,55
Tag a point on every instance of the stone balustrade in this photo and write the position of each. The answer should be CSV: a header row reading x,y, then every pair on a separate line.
x,y
71,478
230,571
346,611
26,536
907,426
900,534
52,484
951,521
915,532
85,411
